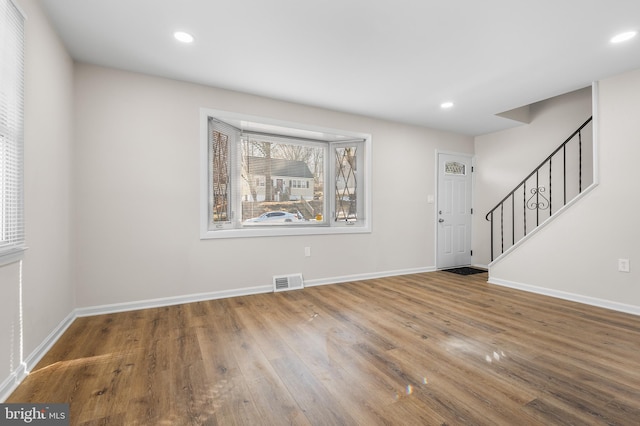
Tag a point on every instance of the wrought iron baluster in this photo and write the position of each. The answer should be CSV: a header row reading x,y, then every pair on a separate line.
x,y
580,162
564,173
539,204
550,193
513,219
537,198
502,228
491,235
524,198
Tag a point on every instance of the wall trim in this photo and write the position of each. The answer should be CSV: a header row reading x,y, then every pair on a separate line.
x,y
12,382
169,301
32,360
587,300
12,256
246,291
370,276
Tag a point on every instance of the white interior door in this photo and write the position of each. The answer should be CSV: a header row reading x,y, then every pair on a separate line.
x,y
453,211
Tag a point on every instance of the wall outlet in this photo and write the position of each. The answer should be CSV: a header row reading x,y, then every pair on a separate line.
x,y
307,251
623,265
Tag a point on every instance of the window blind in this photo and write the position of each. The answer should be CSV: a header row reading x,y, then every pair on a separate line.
x,y
11,128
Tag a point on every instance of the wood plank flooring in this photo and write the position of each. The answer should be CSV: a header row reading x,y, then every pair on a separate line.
x,y
424,349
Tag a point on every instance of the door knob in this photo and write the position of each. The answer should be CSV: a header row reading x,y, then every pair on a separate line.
x,y
441,220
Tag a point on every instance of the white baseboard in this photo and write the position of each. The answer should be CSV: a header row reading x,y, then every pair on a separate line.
x,y
200,297
361,277
12,382
587,300
169,301
48,342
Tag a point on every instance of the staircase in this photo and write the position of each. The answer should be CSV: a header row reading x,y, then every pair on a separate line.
x,y
560,178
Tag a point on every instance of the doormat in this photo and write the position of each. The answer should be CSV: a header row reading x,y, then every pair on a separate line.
x,y
466,270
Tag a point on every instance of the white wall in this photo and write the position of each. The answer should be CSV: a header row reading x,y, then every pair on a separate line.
x,y
505,158
577,253
48,294
137,187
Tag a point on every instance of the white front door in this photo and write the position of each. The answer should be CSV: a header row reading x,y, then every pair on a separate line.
x,y
453,211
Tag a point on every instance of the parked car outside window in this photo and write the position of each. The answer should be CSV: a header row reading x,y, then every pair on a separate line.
x,y
274,217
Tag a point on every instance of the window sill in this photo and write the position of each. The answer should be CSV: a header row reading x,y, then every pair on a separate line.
x,y
280,231
12,255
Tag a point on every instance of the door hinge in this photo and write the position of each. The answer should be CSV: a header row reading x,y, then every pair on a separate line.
x,y
471,211
472,169
471,252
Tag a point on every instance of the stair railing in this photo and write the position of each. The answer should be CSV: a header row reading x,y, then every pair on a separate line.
x,y
536,197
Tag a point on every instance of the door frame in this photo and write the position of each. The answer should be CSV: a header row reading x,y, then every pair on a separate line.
x,y
472,157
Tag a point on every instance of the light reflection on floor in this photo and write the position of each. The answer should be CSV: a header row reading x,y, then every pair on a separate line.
x,y
496,356
408,390
460,345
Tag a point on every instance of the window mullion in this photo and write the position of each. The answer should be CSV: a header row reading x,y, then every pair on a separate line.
x,y
236,183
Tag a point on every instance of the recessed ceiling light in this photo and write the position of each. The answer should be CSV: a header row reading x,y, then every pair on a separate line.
x,y
624,37
446,105
183,37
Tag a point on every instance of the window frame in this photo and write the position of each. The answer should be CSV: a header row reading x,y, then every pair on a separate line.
x,y
233,229
12,220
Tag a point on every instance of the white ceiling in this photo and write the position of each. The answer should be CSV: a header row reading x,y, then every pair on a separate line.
x,y
391,59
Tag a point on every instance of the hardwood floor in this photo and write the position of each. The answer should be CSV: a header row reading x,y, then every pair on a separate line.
x,y
424,349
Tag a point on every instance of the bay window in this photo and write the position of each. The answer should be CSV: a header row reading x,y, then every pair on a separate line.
x,y
262,177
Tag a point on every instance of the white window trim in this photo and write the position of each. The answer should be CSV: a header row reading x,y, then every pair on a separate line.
x,y
13,249
205,233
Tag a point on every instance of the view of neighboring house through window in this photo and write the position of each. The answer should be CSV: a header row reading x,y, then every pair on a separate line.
x,y
11,129
282,180
290,177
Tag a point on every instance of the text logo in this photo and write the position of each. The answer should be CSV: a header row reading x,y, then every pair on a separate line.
x,y
34,414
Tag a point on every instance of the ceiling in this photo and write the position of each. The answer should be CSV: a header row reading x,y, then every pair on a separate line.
x,y
391,59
